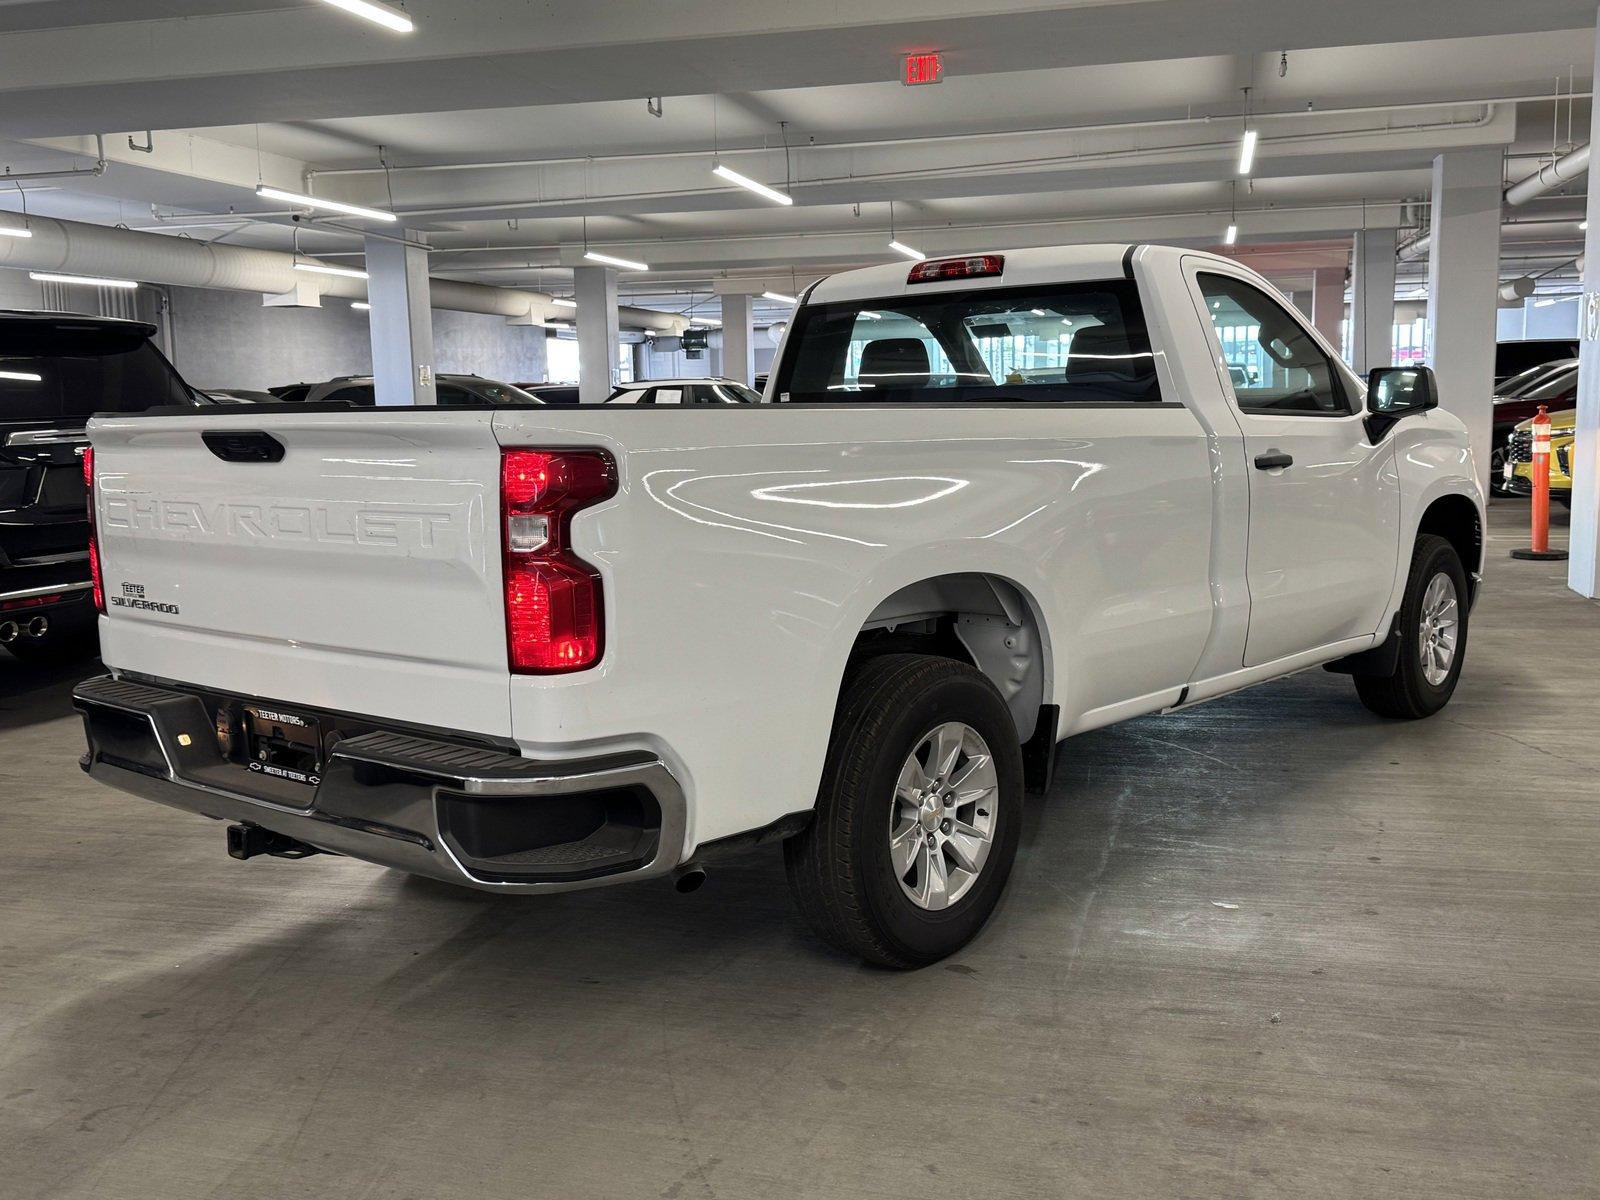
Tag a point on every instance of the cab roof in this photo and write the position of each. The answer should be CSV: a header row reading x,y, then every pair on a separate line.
x,y
1031,265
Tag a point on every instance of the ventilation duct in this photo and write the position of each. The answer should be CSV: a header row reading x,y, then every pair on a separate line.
x,y
78,248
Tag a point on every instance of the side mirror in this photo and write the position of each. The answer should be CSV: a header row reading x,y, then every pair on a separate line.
x,y
1395,392
1400,391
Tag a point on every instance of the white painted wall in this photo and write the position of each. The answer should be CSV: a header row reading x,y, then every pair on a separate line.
x,y
1536,320
660,365
227,339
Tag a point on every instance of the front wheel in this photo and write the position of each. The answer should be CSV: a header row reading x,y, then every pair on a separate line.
x,y
1497,469
918,816
1433,637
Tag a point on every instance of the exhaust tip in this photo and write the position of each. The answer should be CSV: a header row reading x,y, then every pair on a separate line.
x,y
689,878
8,632
38,627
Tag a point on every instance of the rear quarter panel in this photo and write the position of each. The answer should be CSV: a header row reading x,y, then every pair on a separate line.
x,y
746,548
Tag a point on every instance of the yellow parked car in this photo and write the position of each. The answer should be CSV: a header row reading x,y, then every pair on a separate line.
x,y
1519,457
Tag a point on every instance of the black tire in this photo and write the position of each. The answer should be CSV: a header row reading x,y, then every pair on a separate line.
x,y
839,867
1497,462
1407,695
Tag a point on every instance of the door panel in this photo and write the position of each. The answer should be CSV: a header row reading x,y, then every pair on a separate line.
x,y
1324,528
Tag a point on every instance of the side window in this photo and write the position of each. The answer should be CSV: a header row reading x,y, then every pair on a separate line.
x,y
452,396
629,398
1274,365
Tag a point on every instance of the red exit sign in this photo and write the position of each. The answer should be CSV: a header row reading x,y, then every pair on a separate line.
x,y
921,68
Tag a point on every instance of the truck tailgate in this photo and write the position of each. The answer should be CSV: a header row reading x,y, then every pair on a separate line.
x,y
359,573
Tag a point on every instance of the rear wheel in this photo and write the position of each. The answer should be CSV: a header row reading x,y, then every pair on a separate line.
x,y
1433,637
918,815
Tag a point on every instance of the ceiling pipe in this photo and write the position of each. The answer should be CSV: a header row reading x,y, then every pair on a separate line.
x,y
1543,181
1549,177
79,248
94,172
1031,132
1415,246
1516,291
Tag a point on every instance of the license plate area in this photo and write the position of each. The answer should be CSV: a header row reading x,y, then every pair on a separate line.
x,y
282,744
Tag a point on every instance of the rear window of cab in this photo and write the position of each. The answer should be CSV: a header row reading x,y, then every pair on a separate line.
x,y
1082,343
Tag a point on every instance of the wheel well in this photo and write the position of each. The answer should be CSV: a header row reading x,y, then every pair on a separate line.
x,y
1455,519
981,620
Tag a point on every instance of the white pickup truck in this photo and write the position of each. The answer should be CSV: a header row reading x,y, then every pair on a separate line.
x,y
990,502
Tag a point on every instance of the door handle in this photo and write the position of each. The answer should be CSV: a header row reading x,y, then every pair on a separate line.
x,y
1273,459
246,446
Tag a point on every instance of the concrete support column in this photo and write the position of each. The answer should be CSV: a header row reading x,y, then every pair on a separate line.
x,y
1583,562
1327,304
598,337
739,337
1463,278
1372,300
401,322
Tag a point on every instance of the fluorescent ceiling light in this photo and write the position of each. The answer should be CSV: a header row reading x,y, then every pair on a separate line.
x,y
1231,235
85,280
704,321
338,206
1549,300
613,260
361,304
22,376
749,184
6,232
780,297
1581,225
1247,152
902,248
376,12
871,316
562,302
323,269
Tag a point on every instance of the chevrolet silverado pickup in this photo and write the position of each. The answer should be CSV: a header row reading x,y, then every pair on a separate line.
x,y
989,503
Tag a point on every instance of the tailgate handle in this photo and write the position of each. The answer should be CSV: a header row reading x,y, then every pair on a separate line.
x,y
252,446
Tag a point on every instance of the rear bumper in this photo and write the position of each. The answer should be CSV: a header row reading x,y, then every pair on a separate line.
x,y
1521,485
440,806
15,599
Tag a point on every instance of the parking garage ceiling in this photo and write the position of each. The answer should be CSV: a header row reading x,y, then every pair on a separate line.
x,y
510,144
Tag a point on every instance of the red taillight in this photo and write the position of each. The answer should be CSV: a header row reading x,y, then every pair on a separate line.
x,y
973,266
554,620
94,537
32,602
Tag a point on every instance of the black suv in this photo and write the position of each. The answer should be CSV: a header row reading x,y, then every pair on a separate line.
x,y
57,370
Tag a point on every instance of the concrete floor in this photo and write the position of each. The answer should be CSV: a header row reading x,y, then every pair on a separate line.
x,y
1270,947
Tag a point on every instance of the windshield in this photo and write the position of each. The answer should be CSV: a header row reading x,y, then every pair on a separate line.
x,y
63,371
1553,388
1064,343
502,393
1521,383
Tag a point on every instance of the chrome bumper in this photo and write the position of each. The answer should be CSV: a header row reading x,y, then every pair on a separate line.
x,y
468,814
